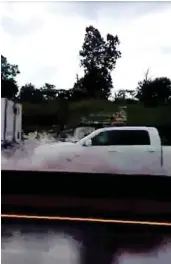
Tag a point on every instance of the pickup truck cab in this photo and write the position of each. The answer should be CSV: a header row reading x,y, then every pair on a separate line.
x,y
135,148
131,149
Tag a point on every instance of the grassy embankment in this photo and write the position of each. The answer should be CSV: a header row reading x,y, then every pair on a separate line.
x,y
49,113
42,117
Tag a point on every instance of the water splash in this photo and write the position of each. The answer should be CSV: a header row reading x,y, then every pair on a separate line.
x,y
38,248
44,152
58,156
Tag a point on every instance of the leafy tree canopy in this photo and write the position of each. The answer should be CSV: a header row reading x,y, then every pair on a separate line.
x,y
154,92
98,59
9,87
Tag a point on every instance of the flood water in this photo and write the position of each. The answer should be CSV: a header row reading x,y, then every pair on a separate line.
x,y
52,243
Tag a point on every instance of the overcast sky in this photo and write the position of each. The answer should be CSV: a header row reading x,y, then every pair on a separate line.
x,y
44,39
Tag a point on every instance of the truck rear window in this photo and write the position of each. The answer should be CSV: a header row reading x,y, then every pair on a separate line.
x,y
121,138
129,137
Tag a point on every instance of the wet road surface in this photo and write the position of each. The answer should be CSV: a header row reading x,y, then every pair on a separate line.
x,y
40,242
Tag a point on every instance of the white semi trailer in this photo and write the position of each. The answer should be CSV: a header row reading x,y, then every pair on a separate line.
x,y
11,122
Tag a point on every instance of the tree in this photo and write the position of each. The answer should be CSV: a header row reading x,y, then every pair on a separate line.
x,y
29,93
49,91
154,92
9,87
98,59
121,95
79,91
64,94
63,112
96,83
131,94
125,96
98,53
8,71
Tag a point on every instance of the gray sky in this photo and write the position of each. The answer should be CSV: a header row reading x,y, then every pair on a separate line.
x,y
44,39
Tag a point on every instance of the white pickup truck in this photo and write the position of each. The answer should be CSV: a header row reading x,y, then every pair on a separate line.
x,y
123,149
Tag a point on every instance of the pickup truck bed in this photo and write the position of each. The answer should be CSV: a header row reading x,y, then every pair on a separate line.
x,y
166,160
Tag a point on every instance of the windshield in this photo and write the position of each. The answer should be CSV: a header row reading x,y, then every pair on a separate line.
x,y
69,68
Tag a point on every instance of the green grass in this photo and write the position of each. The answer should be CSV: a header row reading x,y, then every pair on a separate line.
x,y
137,114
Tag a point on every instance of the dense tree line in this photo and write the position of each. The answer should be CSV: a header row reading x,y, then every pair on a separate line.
x,y
98,57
